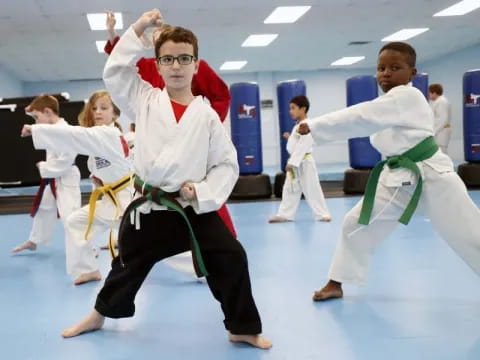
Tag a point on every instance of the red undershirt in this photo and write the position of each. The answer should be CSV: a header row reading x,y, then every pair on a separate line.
x,y
178,110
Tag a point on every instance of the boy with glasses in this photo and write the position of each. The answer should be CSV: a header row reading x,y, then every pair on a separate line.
x,y
206,83
184,162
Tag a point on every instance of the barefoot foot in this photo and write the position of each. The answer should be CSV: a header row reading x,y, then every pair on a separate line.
x,y
333,290
87,277
27,245
254,340
277,219
92,322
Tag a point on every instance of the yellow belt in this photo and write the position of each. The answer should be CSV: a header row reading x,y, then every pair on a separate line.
x,y
292,172
111,191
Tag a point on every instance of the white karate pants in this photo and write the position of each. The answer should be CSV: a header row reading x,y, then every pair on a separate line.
x,y
307,182
444,198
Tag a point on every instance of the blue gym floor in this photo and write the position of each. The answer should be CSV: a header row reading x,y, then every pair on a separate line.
x,y
421,300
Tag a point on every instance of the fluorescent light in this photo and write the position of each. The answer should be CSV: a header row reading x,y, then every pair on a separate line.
x,y
100,45
286,14
233,65
259,40
66,95
347,60
10,107
460,8
98,21
405,34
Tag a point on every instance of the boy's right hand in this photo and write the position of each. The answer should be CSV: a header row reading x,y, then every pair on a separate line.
x,y
26,130
151,18
286,135
303,129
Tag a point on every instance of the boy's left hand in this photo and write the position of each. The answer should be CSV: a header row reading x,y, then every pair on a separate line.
x,y
187,191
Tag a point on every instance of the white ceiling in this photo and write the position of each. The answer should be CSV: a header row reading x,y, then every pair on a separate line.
x,y
47,40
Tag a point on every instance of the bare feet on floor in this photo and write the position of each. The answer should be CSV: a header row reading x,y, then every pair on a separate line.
x,y
94,321
277,219
254,340
333,290
27,245
325,218
87,277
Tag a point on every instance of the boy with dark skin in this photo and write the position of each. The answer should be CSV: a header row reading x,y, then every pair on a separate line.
x,y
400,126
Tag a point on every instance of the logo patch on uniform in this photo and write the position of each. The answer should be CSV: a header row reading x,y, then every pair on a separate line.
x,y
101,163
406,183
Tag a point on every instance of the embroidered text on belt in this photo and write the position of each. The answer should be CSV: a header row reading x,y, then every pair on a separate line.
x,y
420,152
167,199
111,191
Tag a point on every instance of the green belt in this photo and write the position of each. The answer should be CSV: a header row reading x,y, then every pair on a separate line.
x,y
167,199
420,152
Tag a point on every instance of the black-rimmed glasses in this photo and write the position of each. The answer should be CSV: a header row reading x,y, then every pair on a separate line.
x,y
182,59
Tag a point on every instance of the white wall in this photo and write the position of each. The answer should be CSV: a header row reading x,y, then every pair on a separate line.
x,y
326,91
449,72
78,90
10,86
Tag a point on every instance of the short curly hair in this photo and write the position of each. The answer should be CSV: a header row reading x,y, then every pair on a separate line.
x,y
403,48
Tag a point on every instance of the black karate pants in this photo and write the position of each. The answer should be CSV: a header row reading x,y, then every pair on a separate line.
x,y
163,234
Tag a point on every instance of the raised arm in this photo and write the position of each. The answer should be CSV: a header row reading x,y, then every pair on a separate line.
x,y
102,141
120,74
112,35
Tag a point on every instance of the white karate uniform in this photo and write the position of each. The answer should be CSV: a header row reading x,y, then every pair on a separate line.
x,y
198,139
108,162
399,120
442,121
305,179
181,262
60,166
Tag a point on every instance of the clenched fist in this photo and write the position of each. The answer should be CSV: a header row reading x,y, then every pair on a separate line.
x,y
26,130
151,18
187,192
303,129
